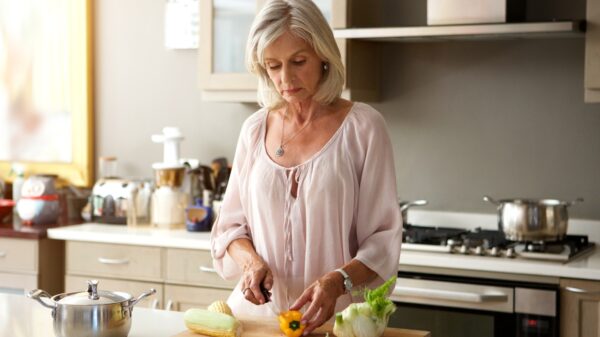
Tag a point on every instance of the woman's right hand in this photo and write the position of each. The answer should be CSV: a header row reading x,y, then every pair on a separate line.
x,y
254,274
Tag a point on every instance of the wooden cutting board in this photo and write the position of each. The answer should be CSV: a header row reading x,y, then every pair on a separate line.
x,y
269,328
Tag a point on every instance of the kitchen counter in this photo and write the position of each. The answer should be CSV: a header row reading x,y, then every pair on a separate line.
x,y
23,317
584,267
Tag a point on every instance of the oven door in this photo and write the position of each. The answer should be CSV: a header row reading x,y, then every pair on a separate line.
x,y
453,309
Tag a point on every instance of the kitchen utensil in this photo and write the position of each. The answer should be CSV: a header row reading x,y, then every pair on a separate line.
x,y
405,205
111,198
6,206
268,301
91,313
532,219
39,201
261,327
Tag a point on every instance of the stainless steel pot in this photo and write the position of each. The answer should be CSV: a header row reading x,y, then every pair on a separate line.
x,y
405,205
90,314
532,219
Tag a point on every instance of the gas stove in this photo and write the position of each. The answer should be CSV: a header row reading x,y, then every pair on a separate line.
x,y
492,243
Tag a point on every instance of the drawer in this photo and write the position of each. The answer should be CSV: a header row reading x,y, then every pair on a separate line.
x,y
181,298
25,282
114,261
18,255
194,267
79,284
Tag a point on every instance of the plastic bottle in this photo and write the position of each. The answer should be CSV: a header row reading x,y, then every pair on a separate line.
x,y
19,171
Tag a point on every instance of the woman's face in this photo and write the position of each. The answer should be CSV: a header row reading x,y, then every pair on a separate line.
x,y
293,67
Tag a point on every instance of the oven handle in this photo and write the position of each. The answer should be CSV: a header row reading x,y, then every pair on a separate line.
x,y
581,291
462,296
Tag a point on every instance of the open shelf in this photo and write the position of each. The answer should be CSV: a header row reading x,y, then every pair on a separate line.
x,y
467,32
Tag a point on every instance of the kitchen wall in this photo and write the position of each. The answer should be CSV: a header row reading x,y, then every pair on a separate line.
x,y
504,118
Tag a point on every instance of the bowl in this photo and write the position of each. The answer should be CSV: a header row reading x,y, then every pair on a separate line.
x,y
6,206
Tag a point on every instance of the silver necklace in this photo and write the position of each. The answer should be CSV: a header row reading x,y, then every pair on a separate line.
x,y
280,152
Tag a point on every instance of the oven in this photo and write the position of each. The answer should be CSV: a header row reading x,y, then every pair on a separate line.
x,y
456,306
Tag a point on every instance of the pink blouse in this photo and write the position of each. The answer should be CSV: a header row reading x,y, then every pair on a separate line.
x,y
346,207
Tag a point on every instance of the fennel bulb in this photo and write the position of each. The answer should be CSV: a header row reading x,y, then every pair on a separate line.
x,y
369,318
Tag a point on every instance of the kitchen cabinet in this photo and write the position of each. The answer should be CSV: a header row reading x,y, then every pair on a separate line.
x,y
27,264
580,308
592,53
183,278
224,27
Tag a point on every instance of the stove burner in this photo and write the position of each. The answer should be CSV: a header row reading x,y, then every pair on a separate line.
x,y
430,235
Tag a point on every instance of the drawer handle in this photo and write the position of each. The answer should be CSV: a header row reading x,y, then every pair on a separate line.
x,y
2,254
113,261
581,291
207,269
169,306
155,304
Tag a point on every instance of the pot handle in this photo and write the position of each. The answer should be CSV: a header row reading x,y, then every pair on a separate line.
x,y
571,203
491,200
38,295
152,291
405,206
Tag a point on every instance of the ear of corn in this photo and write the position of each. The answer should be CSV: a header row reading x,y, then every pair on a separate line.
x,y
210,323
220,306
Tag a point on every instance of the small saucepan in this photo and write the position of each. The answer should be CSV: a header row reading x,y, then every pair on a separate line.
x,y
92,313
533,219
405,205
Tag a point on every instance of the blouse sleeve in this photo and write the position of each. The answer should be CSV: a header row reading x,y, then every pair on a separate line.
x,y
379,222
231,223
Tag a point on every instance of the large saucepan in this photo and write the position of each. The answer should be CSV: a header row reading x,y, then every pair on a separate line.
x,y
532,219
90,314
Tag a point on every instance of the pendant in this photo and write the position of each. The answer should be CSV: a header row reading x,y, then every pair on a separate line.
x,y
279,152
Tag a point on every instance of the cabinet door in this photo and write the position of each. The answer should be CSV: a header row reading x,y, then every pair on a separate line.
x,y
580,308
224,28
181,298
79,284
592,53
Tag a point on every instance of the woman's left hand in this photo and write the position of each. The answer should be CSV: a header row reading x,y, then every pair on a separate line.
x,y
322,296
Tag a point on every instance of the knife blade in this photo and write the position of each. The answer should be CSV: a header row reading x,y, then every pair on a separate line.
x,y
269,301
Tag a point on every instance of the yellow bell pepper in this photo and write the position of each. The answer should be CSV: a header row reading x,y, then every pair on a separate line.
x,y
290,323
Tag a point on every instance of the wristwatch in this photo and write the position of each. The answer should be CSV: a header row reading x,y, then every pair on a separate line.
x,y
347,281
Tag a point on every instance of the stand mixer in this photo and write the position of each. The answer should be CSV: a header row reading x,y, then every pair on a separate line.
x,y
169,200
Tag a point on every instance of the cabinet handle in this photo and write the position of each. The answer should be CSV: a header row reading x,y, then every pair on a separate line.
x,y
207,269
112,261
2,254
155,304
169,306
581,291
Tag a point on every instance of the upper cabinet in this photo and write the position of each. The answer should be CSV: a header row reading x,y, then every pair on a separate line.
x,y
592,53
224,28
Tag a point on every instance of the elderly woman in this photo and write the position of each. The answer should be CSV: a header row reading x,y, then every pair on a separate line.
x,y
310,212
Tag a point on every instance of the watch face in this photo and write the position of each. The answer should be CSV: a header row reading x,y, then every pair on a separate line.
x,y
348,284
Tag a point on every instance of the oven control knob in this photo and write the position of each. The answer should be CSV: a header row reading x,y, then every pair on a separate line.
x,y
494,251
510,252
478,250
464,249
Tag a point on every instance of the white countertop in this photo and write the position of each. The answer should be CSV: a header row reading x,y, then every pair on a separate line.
x,y
23,317
586,266
139,236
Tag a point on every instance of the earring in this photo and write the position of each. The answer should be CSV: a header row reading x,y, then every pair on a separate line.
x,y
325,66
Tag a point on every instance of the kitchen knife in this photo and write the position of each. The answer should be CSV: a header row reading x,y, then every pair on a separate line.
x,y
269,301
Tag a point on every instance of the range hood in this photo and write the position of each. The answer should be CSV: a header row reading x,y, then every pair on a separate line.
x,y
557,29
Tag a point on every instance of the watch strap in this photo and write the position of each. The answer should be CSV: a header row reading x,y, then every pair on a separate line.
x,y
347,279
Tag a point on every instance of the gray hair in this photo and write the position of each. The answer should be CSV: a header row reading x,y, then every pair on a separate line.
x,y
303,19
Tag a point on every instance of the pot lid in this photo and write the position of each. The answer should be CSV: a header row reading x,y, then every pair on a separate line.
x,y
94,297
